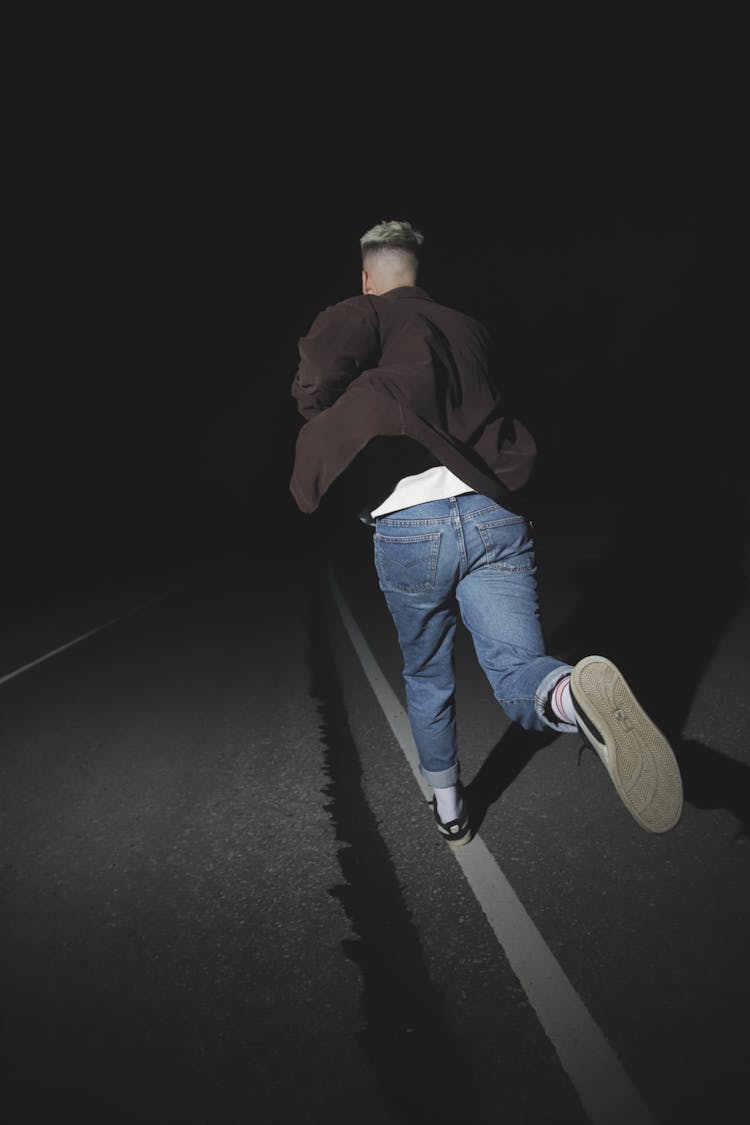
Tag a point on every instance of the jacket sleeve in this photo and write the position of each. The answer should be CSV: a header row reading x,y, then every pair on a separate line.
x,y
342,342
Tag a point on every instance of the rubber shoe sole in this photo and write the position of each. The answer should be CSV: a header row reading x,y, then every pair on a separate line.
x,y
637,756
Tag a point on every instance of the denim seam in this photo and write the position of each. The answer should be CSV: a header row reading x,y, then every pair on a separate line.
x,y
511,569
415,522
501,523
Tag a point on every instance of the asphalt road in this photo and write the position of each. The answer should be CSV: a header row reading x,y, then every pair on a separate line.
x,y
225,901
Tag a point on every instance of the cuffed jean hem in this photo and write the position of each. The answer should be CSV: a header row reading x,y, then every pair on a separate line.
x,y
440,779
541,696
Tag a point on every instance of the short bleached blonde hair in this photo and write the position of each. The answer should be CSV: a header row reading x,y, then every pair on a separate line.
x,y
392,235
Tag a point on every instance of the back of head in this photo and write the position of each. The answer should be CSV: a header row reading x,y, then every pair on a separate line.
x,y
390,255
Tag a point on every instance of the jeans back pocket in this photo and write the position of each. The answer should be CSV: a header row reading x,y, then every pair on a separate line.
x,y
407,562
509,544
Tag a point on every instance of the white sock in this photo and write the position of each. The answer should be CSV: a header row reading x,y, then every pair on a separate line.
x,y
449,803
561,700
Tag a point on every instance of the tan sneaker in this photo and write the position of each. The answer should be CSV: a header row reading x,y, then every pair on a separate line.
x,y
639,759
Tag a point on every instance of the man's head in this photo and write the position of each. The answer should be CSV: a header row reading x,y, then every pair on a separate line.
x,y
390,256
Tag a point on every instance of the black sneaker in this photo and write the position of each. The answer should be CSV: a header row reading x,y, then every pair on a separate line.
x,y
455,832
637,756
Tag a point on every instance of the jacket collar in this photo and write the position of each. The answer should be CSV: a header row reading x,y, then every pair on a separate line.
x,y
407,291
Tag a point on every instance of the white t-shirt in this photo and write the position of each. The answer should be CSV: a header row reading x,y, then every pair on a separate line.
x,y
433,484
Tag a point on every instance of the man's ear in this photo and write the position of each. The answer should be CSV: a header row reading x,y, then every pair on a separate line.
x,y
366,284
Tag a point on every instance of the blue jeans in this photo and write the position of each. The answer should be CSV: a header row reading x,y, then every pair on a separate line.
x,y
465,554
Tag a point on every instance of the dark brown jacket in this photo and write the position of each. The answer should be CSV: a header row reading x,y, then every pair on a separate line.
x,y
406,381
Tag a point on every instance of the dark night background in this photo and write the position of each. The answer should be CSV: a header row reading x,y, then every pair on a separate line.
x,y
200,811
191,194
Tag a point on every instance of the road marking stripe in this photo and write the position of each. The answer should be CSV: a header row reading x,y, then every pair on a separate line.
x,y
607,1094
91,632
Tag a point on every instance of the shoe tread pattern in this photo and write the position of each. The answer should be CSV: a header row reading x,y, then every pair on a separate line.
x,y
642,765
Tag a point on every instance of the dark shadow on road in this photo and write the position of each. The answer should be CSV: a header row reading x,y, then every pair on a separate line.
x,y
659,602
663,593
712,780
406,1036
507,759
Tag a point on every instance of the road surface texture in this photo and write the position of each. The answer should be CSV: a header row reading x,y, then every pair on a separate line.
x,y
225,901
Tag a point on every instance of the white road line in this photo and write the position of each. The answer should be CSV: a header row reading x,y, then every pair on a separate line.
x,y
91,632
607,1094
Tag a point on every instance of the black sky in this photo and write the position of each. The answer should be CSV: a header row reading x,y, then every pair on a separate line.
x,y
195,195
